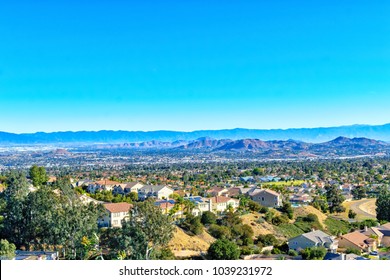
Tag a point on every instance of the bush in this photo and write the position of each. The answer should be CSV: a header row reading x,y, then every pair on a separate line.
x,y
254,206
310,218
267,252
247,250
223,249
313,253
208,218
287,209
267,240
283,247
353,251
278,220
192,224
292,253
269,216
276,251
264,210
163,254
351,214
220,232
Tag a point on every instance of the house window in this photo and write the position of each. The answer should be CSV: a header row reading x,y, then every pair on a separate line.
x,y
262,199
115,222
116,214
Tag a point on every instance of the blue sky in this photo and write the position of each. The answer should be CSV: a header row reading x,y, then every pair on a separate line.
x,y
189,65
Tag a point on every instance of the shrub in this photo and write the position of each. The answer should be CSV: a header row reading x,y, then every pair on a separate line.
x,y
267,240
220,232
208,218
223,249
292,253
276,251
278,220
313,253
353,251
247,250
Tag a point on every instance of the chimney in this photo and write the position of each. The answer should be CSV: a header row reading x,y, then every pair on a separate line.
x,y
365,228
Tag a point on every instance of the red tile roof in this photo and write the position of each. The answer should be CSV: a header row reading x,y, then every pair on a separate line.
x,y
118,207
106,182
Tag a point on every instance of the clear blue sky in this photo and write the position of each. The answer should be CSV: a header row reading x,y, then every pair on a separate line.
x,y
189,65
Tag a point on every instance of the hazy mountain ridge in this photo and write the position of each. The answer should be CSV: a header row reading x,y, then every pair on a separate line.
x,y
312,135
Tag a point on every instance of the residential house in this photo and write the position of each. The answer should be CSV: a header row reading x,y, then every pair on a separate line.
x,y
315,238
115,213
159,192
374,233
166,206
249,190
220,204
216,191
248,179
341,256
102,185
357,240
126,188
217,204
268,198
202,204
132,187
233,192
385,230
301,198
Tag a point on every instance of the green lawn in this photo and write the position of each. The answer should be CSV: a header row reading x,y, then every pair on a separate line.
x,y
284,184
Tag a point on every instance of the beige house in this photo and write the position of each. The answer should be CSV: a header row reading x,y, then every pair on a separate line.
x,y
357,240
126,188
220,204
159,192
102,185
217,204
115,213
268,198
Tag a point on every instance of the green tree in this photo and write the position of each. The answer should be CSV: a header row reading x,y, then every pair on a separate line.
x,y
335,199
129,242
208,218
313,253
359,192
287,208
351,214
38,175
15,195
223,249
383,205
7,250
192,224
220,232
267,240
147,219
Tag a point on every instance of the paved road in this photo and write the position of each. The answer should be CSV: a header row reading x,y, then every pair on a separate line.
x,y
356,207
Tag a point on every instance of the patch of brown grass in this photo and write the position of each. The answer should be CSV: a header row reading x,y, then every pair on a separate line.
x,y
183,243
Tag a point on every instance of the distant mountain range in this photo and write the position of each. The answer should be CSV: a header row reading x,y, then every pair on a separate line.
x,y
339,147
210,137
